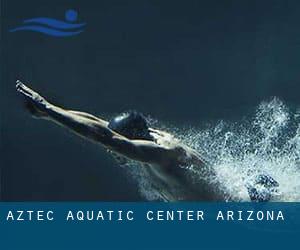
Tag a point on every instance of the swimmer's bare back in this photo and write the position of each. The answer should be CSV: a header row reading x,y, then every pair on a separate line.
x,y
166,156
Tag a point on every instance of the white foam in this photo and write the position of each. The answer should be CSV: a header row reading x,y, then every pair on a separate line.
x,y
267,142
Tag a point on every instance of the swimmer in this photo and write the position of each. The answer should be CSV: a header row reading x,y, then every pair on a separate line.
x,y
129,136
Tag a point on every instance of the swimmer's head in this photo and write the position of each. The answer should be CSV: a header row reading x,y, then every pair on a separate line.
x,y
132,125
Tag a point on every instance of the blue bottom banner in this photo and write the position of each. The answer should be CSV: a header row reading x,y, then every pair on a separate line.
x,y
123,225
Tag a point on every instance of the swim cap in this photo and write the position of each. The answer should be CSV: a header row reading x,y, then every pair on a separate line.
x,y
132,125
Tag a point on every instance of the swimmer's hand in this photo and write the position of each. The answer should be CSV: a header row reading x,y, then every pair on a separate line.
x,y
35,103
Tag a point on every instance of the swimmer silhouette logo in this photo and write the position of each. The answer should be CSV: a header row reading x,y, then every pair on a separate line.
x,y
53,27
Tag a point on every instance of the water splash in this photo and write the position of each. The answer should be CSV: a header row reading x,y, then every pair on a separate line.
x,y
267,142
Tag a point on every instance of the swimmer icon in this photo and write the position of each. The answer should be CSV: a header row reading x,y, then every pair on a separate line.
x,y
53,27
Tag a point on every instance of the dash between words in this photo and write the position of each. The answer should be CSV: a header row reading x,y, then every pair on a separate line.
x,y
149,215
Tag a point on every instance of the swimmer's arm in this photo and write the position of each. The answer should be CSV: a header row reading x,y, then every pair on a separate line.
x,y
142,150
96,129
38,103
87,115
83,124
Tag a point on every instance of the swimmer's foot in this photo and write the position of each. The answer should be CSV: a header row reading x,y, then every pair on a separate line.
x,y
34,103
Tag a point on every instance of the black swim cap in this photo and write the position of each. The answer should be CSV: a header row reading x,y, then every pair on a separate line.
x,y
132,125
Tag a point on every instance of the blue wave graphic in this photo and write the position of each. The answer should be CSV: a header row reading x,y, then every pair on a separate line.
x,y
47,31
53,23
55,27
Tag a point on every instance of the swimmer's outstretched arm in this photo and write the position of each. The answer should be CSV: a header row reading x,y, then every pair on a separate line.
x,y
95,129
